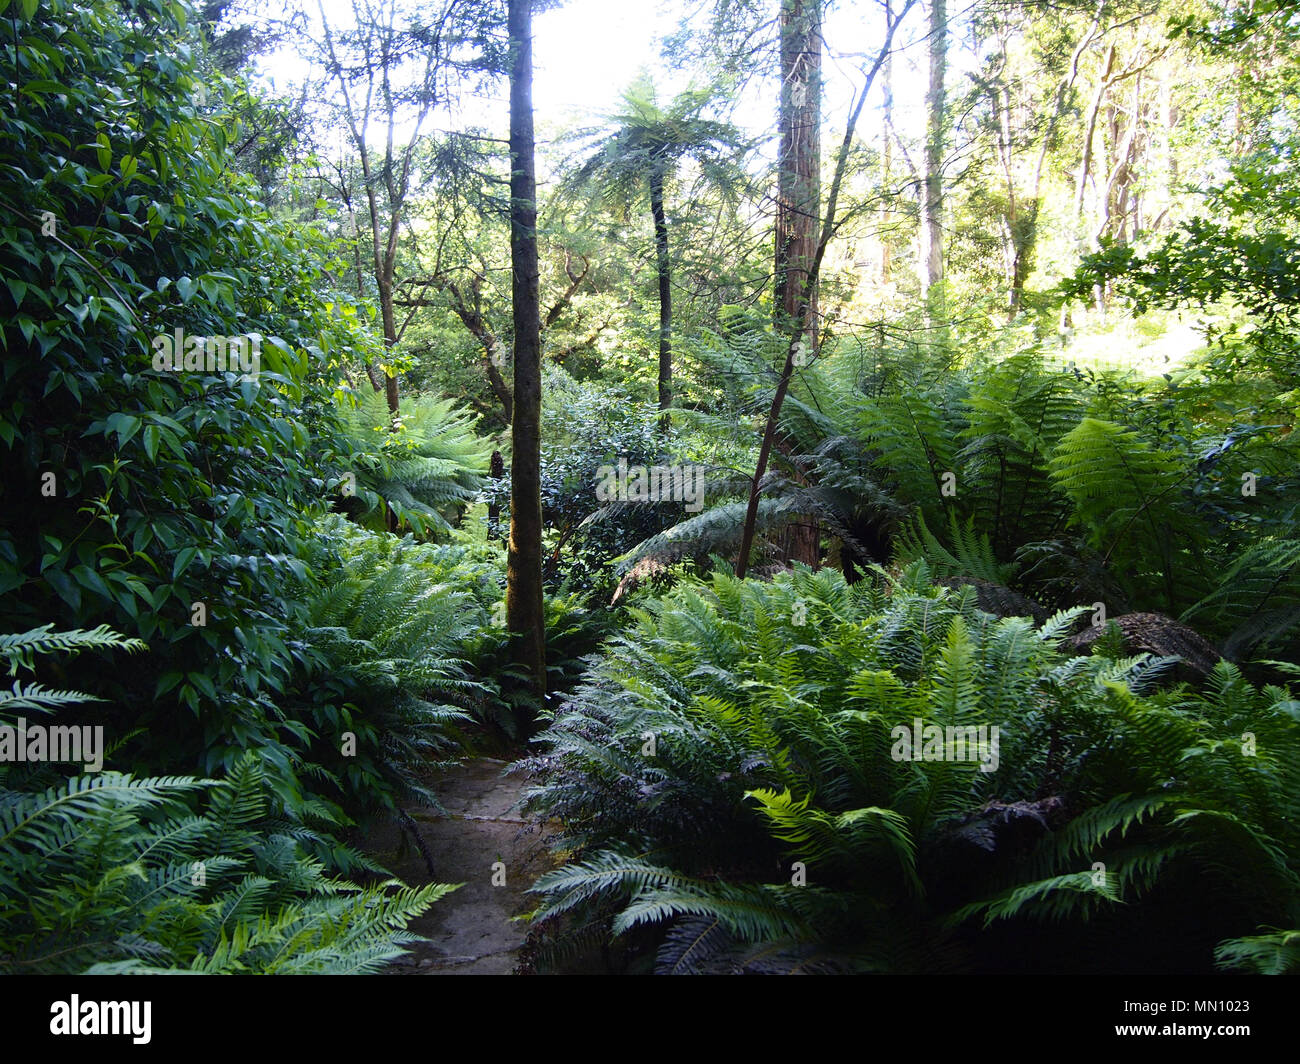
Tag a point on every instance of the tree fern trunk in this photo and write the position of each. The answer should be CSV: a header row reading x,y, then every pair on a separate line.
x,y
664,266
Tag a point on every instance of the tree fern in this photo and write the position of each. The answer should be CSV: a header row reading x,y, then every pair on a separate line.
x,y
1270,954
1257,600
1018,412
1124,496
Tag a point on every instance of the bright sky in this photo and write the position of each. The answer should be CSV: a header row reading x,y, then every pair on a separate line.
x,y
586,52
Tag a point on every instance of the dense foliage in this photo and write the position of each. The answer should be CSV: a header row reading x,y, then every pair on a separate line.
x,y
1027,470
111,873
737,727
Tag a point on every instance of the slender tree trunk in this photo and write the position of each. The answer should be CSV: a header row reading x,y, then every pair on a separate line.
x,y
1115,202
496,471
388,316
932,273
798,160
1085,162
524,610
1019,220
665,295
470,313
1090,130
887,150
1169,122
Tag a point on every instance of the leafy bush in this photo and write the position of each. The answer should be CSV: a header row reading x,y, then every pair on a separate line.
x,y
586,426
169,505
1244,250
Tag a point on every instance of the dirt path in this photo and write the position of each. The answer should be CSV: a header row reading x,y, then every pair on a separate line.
x,y
469,932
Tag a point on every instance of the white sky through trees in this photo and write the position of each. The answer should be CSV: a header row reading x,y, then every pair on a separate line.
x,y
588,51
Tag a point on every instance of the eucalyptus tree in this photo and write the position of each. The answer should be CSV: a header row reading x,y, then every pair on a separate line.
x,y
1027,86
798,326
798,161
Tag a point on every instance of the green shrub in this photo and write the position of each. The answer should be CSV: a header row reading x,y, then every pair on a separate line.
x,y
169,505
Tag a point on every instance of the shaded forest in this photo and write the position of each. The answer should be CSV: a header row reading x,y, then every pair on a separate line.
x,y
847,469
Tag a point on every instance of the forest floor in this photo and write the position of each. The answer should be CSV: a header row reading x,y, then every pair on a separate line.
x,y
470,931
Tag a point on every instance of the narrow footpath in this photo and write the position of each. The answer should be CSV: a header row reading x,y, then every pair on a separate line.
x,y
484,842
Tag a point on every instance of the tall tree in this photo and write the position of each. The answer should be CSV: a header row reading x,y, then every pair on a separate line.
x,y
390,73
798,203
887,148
799,323
798,197
525,615
1018,102
932,266
463,248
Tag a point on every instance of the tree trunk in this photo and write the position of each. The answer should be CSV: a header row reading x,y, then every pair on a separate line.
x,y
799,324
1090,130
496,471
932,272
799,204
524,611
887,151
664,266
798,194
470,313
389,318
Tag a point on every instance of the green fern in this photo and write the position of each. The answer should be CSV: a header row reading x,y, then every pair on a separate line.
x,y
1257,600
425,465
1124,498
773,708
108,873
1270,954
22,648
